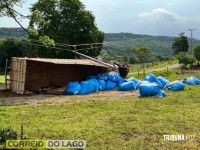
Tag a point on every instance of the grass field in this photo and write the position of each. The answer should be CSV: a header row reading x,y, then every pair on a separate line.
x,y
124,123
136,67
2,79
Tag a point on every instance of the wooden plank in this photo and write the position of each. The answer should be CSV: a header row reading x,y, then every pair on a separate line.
x,y
23,76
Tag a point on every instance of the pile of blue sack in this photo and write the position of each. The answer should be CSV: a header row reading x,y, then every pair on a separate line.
x,y
153,86
101,82
191,81
149,86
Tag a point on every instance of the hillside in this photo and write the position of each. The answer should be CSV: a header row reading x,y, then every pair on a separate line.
x,y
12,32
117,44
120,44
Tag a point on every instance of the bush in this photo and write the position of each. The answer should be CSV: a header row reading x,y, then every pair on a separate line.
x,y
185,59
8,134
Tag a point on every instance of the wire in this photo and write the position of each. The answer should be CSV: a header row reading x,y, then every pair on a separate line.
x,y
59,48
62,44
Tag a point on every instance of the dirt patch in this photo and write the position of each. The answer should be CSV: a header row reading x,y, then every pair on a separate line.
x,y
38,99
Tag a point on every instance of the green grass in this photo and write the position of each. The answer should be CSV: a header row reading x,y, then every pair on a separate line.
x,y
129,123
136,67
2,79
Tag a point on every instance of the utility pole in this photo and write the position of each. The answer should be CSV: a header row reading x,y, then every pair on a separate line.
x,y
191,30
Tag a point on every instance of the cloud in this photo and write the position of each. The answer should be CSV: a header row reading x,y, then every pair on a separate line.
x,y
159,15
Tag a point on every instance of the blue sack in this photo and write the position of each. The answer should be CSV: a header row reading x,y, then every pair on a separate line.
x,y
102,85
150,89
151,78
73,88
126,86
134,80
95,85
86,87
110,85
120,80
191,81
102,76
175,86
163,80
141,82
161,94
113,76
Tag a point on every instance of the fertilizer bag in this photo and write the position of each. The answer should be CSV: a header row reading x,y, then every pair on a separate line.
x,y
120,80
150,89
102,85
102,76
94,84
175,86
163,80
161,94
151,78
86,87
191,81
113,76
110,85
133,80
126,86
73,88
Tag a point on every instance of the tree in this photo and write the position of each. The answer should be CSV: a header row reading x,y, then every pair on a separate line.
x,y
10,48
126,59
7,8
196,53
180,44
185,59
65,21
143,53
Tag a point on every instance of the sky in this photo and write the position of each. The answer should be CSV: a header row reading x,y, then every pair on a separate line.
x,y
151,17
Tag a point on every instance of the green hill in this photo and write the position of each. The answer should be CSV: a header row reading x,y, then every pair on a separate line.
x,y
12,32
120,44
117,44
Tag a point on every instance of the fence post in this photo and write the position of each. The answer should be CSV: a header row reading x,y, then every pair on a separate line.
x,y
167,71
182,69
144,73
6,73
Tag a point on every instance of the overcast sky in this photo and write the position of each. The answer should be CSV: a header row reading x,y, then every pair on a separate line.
x,y
152,17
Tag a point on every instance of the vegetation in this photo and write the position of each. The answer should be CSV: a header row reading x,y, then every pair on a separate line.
x,y
69,23
123,123
12,32
196,52
185,59
2,79
142,53
180,44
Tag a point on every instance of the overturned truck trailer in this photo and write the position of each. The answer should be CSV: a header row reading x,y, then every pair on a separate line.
x,y
31,74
